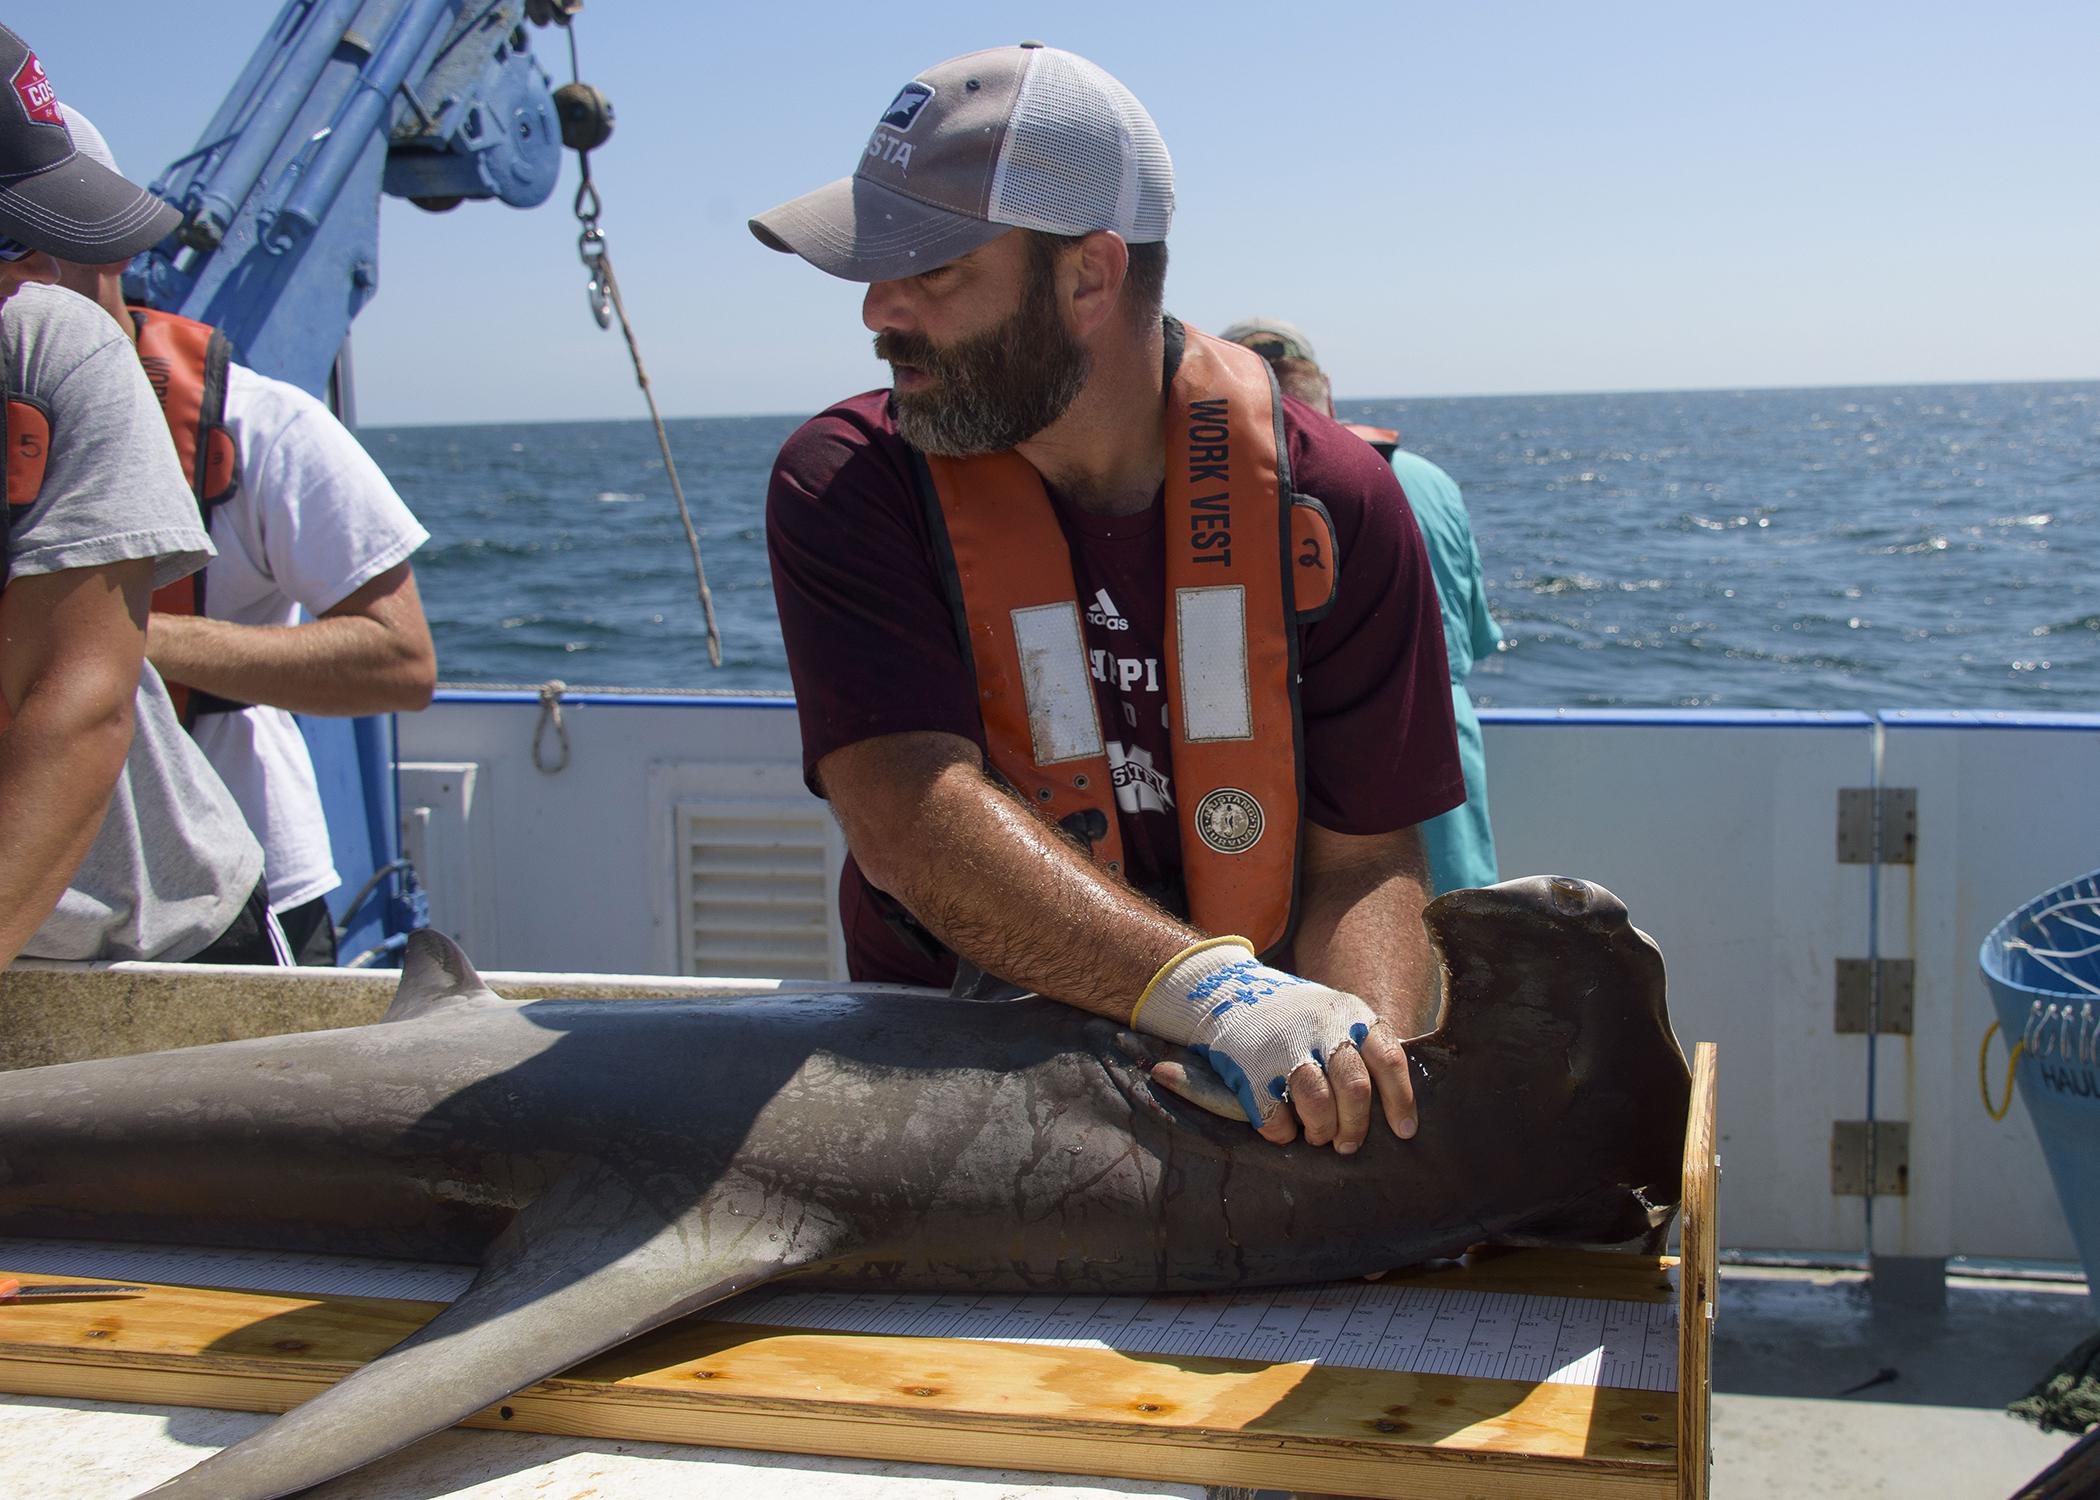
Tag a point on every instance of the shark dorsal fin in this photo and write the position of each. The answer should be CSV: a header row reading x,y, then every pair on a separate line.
x,y
435,976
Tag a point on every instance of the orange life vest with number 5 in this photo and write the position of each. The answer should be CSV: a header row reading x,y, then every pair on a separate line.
x,y
25,437
185,363
1247,560
25,442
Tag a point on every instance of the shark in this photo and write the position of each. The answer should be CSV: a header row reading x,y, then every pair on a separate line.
x,y
612,1165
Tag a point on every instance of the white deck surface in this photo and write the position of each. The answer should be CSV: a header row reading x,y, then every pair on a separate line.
x,y
91,1450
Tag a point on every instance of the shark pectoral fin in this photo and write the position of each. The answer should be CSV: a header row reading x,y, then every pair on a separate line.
x,y
592,1263
435,976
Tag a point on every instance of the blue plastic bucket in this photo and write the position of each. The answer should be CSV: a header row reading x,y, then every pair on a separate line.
x,y
2042,964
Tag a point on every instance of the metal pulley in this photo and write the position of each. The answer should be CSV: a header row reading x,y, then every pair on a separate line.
x,y
586,116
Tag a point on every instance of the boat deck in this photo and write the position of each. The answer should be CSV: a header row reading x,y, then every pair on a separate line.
x,y
1821,1392
1818,1391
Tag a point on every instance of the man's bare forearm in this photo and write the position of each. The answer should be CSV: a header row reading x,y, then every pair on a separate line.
x,y
1360,923
370,655
991,879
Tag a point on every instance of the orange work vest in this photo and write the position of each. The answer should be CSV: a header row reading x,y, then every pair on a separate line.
x,y
186,364
25,438
1384,439
25,442
1247,560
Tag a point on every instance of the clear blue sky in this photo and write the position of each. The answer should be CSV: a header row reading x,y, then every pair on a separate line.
x,y
1450,199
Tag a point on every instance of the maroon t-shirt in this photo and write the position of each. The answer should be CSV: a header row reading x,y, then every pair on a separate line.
x,y
872,648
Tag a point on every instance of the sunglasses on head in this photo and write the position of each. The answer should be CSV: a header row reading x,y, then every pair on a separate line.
x,y
14,249
1272,346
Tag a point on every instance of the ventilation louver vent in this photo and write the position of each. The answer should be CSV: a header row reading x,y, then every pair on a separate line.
x,y
753,890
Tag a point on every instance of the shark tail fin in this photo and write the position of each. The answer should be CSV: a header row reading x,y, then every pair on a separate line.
x,y
435,976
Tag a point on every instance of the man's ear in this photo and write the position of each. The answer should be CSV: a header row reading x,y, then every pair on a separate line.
x,y
1098,266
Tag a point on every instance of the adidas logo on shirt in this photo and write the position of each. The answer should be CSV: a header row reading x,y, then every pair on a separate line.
x,y
1103,612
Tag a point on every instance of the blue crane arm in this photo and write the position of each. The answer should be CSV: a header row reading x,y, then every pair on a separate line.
x,y
344,100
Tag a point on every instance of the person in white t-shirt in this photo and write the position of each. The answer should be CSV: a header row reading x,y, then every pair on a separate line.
x,y
313,527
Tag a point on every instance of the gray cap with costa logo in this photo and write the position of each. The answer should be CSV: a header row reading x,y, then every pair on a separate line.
x,y
53,197
1024,137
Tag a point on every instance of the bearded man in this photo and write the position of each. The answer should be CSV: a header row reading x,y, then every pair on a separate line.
x,y
1123,675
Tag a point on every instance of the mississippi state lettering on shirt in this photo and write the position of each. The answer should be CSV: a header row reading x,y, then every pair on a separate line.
x,y
1134,711
1139,785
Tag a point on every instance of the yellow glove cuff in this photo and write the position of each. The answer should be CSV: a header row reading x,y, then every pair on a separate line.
x,y
1173,963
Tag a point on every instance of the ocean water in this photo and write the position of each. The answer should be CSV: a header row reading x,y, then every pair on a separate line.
x,y
1894,547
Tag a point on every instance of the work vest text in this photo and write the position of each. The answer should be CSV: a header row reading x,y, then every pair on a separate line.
x,y
1210,462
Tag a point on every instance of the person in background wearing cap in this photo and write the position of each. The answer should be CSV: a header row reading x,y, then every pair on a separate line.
x,y
1047,633
116,840
309,523
1461,842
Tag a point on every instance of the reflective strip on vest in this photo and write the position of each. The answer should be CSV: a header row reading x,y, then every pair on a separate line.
x,y
1063,723
1217,702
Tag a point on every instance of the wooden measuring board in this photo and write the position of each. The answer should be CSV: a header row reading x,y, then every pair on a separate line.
x,y
1425,1330
1146,1398
1395,1326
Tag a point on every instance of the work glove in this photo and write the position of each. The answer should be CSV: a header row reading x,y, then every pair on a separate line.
x,y
1251,1023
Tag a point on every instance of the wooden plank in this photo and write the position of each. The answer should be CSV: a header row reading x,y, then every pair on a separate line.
x,y
59,1013
1610,1274
1171,1418
1698,1278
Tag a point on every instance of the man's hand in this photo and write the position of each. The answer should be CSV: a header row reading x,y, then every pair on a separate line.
x,y
1291,1051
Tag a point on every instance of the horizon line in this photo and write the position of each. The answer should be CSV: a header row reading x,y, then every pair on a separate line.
x,y
1692,390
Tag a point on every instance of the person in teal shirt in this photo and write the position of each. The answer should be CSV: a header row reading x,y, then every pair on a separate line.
x,y
1460,843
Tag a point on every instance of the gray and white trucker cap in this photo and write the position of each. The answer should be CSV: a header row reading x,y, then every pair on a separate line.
x,y
88,141
1022,137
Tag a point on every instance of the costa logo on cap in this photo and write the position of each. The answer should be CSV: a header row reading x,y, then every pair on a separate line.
x,y
39,98
904,109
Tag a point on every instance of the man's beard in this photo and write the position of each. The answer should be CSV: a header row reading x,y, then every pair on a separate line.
x,y
992,390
